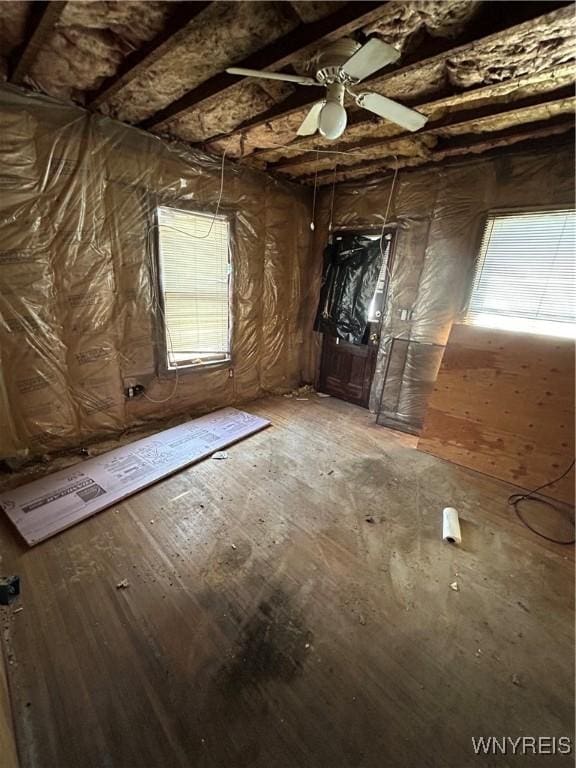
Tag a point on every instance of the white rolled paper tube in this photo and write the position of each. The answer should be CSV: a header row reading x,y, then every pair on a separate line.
x,y
451,526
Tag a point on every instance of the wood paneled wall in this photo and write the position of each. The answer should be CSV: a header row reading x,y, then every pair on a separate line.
x,y
504,405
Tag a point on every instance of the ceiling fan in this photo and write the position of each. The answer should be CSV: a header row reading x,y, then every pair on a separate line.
x,y
340,66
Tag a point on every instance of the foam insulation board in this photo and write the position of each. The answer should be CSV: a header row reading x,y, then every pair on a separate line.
x,y
90,41
51,504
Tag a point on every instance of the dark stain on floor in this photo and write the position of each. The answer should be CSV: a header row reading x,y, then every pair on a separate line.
x,y
273,646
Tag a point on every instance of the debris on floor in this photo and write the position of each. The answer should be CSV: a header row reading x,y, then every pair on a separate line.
x,y
305,392
220,455
455,586
370,520
124,584
302,393
9,589
516,680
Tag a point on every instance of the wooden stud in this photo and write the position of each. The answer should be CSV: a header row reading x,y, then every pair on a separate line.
x,y
171,36
448,148
45,16
449,120
274,55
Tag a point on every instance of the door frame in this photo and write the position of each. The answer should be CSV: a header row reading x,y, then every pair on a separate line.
x,y
367,230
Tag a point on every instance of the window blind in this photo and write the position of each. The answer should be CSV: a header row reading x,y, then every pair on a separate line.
x,y
525,277
194,257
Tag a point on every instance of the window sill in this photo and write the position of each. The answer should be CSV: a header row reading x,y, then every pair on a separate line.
x,y
197,367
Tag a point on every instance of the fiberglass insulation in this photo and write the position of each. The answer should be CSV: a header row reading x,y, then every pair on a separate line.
x,y
78,320
439,213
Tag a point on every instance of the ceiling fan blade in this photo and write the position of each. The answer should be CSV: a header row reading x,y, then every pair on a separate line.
x,y
370,58
299,79
391,110
312,120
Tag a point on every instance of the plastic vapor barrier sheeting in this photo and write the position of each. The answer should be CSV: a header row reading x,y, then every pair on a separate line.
x,y
79,317
439,214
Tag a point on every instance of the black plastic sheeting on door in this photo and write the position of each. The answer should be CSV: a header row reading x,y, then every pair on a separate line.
x,y
351,267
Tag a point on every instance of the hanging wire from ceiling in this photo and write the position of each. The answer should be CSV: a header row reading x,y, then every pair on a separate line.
x,y
385,223
332,201
312,224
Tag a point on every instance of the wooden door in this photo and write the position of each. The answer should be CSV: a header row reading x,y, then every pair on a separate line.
x,y
346,370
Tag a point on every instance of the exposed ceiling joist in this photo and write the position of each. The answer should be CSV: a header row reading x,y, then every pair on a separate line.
x,y
182,13
361,122
447,120
275,55
449,147
429,141
44,17
510,18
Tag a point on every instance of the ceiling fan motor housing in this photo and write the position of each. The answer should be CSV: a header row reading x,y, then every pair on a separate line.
x,y
330,60
337,66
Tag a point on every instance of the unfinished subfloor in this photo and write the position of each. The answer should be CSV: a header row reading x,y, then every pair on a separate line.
x,y
267,623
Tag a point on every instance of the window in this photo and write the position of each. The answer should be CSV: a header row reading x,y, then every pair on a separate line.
x,y
194,272
525,275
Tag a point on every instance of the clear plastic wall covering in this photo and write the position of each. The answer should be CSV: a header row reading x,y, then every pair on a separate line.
x,y
78,309
439,212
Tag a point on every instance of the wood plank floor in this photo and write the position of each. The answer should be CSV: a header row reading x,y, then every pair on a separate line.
x,y
8,754
267,624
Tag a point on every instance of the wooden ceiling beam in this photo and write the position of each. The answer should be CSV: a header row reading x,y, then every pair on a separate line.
x,y
359,120
181,14
44,17
501,20
274,55
522,141
450,147
461,117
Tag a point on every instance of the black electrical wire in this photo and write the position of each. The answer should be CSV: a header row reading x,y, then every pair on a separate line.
x,y
516,498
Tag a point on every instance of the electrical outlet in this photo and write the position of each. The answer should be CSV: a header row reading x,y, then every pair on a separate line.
x,y
134,391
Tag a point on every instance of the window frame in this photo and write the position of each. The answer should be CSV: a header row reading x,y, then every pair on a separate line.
x,y
477,254
164,369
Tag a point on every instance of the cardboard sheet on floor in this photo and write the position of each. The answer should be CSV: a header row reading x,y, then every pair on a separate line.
x,y
50,505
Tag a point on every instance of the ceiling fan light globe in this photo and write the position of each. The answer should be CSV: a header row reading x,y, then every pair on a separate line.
x,y
332,120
